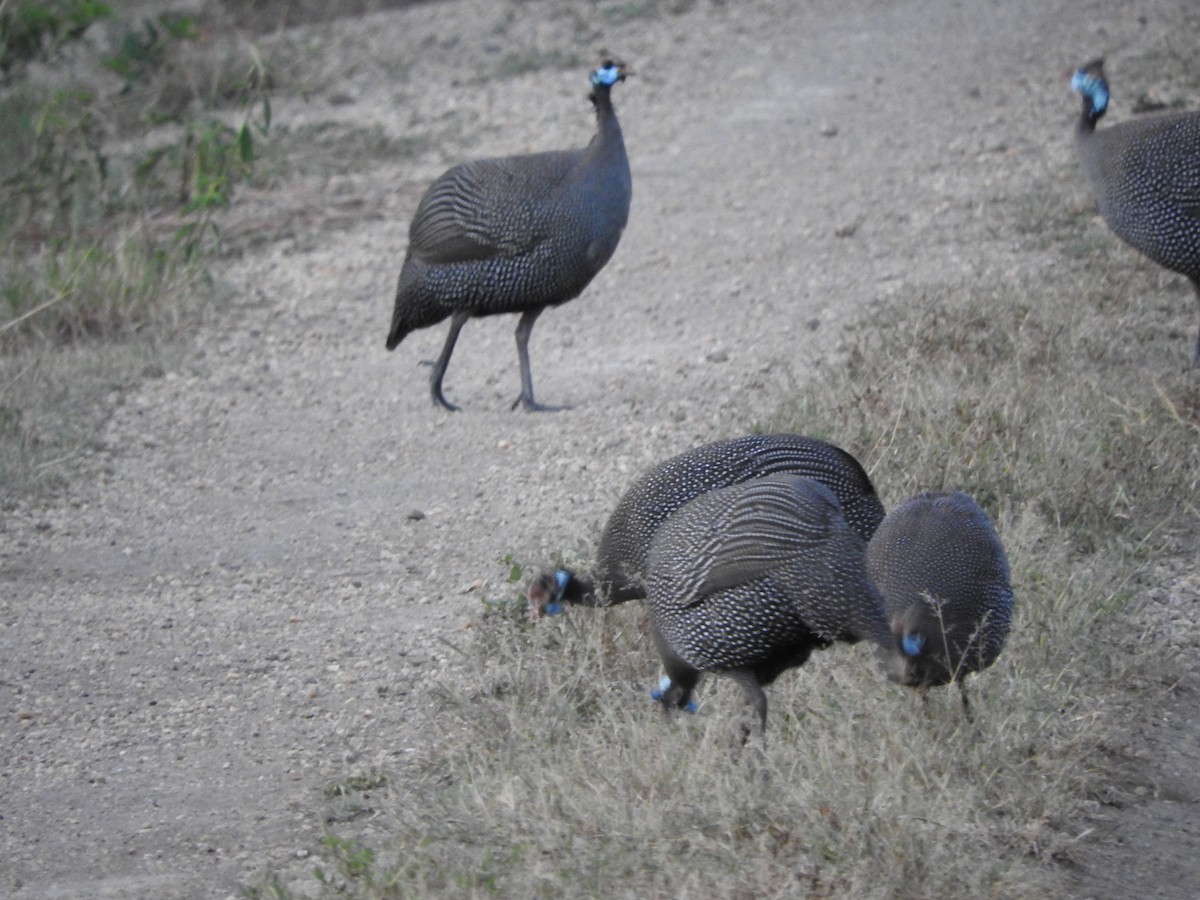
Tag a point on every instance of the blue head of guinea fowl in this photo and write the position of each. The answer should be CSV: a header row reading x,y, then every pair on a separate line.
x,y
912,643
608,74
1092,86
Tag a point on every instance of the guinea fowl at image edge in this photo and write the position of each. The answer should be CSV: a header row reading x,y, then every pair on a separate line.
x,y
515,234
1145,176
619,571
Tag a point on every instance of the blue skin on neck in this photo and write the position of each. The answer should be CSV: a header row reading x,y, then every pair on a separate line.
x,y
1093,88
606,75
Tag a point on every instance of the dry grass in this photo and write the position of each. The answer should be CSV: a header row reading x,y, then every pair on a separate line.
x,y
557,776
53,402
1052,399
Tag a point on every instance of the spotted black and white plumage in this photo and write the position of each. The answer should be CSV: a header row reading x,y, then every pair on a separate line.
x,y
515,234
1145,175
748,580
620,570
944,577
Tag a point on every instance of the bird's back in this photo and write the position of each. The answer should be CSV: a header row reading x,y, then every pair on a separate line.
x,y
621,559
489,207
744,574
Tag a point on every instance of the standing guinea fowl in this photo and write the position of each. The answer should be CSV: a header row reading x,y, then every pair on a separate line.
x,y
621,559
515,234
943,574
1145,175
746,581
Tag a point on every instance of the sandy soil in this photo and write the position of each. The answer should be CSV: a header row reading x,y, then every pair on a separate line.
x,y
244,591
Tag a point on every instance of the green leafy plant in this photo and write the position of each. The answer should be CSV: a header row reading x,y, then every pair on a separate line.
x,y
215,158
350,858
515,569
32,30
144,49
55,171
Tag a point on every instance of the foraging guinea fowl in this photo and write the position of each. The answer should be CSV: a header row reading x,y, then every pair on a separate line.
x,y
1145,175
621,559
746,581
515,234
943,574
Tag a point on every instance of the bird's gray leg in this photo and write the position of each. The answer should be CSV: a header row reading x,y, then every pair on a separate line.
x,y
1196,352
756,699
680,682
439,368
966,702
524,328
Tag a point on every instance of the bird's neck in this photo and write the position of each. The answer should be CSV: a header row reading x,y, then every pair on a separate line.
x,y
601,97
1091,115
607,144
579,591
606,116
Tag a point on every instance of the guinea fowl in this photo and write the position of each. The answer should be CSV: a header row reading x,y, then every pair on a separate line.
x,y
619,573
746,581
944,577
515,234
1145,175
